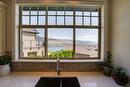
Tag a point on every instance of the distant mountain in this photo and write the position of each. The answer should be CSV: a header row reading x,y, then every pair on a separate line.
x,y
66,41
86,42
53,41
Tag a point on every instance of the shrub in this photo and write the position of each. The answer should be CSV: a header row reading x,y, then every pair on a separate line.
x,y
5,59
61,54
120,76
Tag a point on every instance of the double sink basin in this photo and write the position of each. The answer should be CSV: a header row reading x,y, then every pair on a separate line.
x,y
58,82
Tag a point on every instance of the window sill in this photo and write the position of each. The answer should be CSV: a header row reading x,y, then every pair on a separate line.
x,y
63,61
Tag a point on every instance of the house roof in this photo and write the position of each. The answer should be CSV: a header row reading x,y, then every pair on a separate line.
x,y
31,31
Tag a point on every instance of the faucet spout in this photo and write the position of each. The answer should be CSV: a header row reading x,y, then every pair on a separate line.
x,y
58,67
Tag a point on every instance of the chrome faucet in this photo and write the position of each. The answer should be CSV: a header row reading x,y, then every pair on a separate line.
x,y
58,66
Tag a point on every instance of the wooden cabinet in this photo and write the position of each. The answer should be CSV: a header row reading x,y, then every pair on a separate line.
x,y
2,27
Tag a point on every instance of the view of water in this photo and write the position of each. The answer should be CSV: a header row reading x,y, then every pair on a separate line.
x,y
55,48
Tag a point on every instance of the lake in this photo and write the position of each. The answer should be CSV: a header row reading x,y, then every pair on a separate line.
x,y
55,48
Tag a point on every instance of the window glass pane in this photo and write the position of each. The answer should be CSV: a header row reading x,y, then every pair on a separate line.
x,y
60,20
32,43
52,8
69,20
60,8
94,21
25,12
78,20
60,42
51,20
86,13
86,43
25,20
60,12
79,13
79,9
69,13
94,13
51,12
86,20
33,20
33,10
25,8
41,20
69,8
42,12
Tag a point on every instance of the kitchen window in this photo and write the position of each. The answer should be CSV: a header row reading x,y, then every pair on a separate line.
x,y
66,32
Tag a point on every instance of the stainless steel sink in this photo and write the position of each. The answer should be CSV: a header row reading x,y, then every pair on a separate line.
x,y
58,82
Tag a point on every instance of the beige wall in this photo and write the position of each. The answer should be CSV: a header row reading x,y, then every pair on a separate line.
x,y
120,33
5,1
51,66
2,28
9,25
59,1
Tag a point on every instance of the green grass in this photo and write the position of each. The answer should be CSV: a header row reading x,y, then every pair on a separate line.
x,y
32,54
61,54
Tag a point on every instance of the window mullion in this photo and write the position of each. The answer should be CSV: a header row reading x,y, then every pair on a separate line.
x,y
46,33
56,17
74,33
90,18
37,15
29,15
99,34
64,17
19,30
82,18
